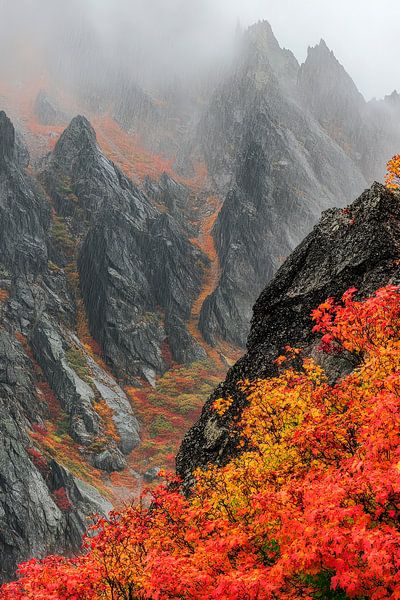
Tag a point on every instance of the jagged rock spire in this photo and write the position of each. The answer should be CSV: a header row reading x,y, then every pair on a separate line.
x,y
7,138
79,137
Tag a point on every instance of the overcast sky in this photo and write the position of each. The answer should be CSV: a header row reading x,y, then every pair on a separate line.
x,y
364,34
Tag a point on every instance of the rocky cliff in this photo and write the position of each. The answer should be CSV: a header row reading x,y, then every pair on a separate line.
x,y
78,243
139,274
330,95
34,520
280,168
275,137
354,246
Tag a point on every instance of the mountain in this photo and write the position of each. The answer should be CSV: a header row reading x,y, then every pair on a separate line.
x,y
278,167
139,274
81,249
133,244
367,135
356,246
34,519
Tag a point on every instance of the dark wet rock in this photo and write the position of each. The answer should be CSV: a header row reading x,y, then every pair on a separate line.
x,y
136,264
122,312
7,138
60,302
151,474
357,246
185,348
108,460
77,176
175,197
31,523
169,192
24,215
21,151
176,279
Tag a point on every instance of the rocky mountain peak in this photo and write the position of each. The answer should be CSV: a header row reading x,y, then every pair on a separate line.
x,y
262,53
78,138
322,73
7,138
328,92
393,100
261,34
322,49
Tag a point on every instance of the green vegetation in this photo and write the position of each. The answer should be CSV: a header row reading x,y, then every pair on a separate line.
x,y
77,361
62,237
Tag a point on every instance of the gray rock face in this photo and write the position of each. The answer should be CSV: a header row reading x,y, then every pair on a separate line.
x,y
175,197
126,424
7,139
24,215
280,168
139,276
78,392
357,246
33,522
75,395
365,131
136,265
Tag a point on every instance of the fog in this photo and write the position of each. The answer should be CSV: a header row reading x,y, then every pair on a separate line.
x,y
153,39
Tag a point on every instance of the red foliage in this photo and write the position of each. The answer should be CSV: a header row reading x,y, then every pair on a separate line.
x,y
316,499
166,354
46,393
61,499
309,509
39,429
39,461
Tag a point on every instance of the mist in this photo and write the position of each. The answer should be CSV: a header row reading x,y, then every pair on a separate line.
x,y
159,40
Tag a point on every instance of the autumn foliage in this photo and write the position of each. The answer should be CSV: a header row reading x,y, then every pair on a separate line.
x,y
309,509
392,178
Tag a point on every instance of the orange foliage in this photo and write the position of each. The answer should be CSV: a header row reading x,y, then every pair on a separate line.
x,y
55,442
127,152
4,295
392,178
310,508
205,242
106,415
168,410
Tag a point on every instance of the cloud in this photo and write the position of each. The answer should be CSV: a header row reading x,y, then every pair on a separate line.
x,y
156,38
